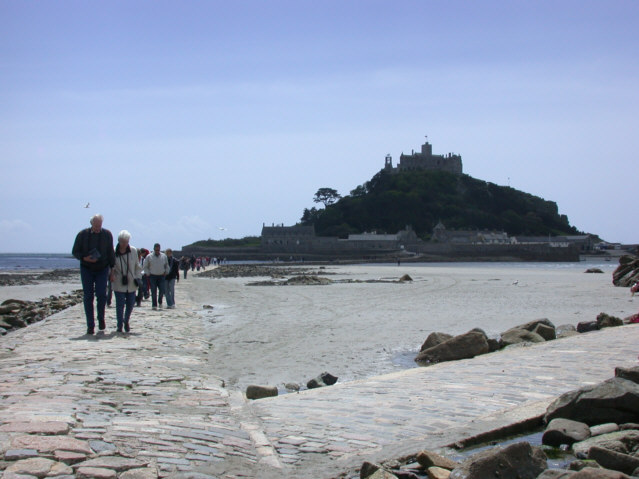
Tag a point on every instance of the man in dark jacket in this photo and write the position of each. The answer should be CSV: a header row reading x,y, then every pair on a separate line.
x,y
171,278
94,248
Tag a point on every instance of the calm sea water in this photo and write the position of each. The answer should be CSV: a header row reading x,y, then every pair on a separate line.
x,y
20,262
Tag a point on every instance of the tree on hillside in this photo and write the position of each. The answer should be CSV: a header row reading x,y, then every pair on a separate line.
x,y
327,196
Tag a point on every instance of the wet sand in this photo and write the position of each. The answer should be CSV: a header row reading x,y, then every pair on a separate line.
x,y
279,334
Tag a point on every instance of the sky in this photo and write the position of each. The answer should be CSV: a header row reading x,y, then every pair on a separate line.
x,y
187,120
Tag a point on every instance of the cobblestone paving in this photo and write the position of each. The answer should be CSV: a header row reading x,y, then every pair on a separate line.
x,y
144,406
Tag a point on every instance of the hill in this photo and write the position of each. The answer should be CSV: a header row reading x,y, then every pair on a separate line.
x,y
422,198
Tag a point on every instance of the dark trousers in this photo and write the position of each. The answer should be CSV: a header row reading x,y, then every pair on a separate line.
x,y
94,285
157,283
122,300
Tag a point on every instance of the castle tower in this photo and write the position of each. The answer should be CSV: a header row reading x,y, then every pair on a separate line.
x,y
388,162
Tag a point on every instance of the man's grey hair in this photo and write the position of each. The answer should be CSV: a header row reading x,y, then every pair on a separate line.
x,y
94,217
124,234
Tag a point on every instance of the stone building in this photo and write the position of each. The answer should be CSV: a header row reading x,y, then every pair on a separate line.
x,y
425,160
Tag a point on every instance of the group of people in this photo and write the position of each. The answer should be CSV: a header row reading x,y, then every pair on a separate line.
x,y
129,271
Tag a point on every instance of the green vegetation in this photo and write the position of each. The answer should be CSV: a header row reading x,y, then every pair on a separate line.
x,y
228,242
389,202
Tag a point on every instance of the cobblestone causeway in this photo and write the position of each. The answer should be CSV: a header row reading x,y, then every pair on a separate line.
x,y
144,406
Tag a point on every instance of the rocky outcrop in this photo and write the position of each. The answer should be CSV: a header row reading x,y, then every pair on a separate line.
x,y
627,273
519,460
536,331
464,346
606,321
15,313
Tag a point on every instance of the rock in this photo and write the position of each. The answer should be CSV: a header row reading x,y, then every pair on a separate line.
x,y
95,473
101,446
434,339
405,278
613,460
604,429
146,473
17,454
258,392
580,464
515,461
432,459
631,374
324,379
208,306
564,431
614,400
629,425
19,302
531,325
620,441
36,427
515,336
292,387
115,463
36,466
435,472
545,331
593,270
367,469
606,321
562,328
627,273
596,473
69,457
555,474
464,346
51,443
587,326
493,345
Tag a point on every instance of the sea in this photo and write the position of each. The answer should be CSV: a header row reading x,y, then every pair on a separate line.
x,y
36,261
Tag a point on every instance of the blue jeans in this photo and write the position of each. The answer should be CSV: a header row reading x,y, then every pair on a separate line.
x,y
170,292
122,300
157,282
94,285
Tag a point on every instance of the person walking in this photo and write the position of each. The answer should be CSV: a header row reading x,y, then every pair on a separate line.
x,y
156,267
171,278
125,276
94,248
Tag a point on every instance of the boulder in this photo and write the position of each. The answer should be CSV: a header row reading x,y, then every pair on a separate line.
x,y
614,460
564,431
614,400
405,278
324,379
515,336
258,392
531,325
593,270
566,330
606,321
464,346
434,339
435,472
515,461
428,459
631,374
545,331
587,326
368,469
580,464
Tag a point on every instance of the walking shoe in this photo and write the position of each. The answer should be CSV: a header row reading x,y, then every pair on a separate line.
x,y
90,331
154,308
127,328
119,330
101,324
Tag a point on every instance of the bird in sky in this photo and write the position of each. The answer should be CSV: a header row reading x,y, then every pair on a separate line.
x,y
221,229
87,205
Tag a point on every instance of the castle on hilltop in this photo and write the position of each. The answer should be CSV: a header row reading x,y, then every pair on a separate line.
x,y
425,160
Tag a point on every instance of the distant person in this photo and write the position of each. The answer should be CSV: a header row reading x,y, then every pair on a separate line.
x,y
125,276
143,286
171,278
94,248
156,267
185,265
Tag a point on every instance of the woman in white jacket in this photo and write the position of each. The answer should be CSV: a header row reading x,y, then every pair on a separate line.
x,y
125,276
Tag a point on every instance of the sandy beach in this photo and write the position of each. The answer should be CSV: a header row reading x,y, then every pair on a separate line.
x,y
275,335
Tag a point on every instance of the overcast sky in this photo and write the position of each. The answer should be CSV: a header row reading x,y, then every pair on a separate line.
x,y
175,119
